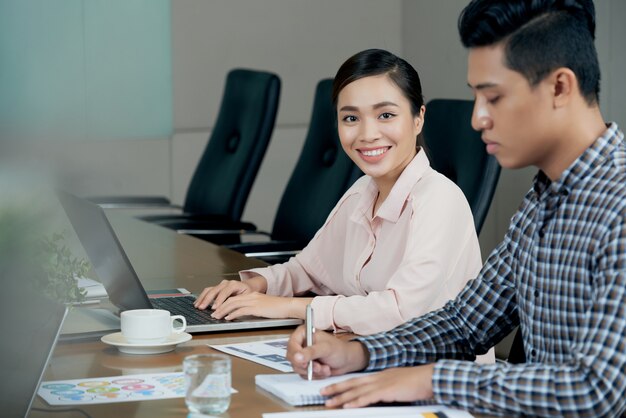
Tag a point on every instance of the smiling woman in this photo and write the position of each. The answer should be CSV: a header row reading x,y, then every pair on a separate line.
x,y
378,129
400,242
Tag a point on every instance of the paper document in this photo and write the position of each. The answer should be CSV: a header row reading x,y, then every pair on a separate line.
x,y
125,388
94,289
270,353
113,389
432,411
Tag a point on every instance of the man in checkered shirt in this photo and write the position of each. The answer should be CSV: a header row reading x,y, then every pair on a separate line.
x,y
560,273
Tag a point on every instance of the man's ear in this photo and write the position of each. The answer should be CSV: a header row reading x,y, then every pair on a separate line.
x,y
564,86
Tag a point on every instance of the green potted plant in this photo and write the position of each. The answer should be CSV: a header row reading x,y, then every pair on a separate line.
x,y
31,250
61,270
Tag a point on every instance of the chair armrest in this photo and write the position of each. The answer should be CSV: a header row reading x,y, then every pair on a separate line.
x,y
283,249
184,222
255,237
245,230
133,202
221,226
264,254
194,232
218,229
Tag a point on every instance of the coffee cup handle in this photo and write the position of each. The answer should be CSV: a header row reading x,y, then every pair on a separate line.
x,y
182,327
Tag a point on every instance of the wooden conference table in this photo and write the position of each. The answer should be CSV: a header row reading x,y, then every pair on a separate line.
x,y
164,259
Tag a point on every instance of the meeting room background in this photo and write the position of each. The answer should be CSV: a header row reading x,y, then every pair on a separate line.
x,y
119,97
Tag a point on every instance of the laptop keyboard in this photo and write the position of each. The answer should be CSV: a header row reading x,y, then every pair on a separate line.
x,y
183,305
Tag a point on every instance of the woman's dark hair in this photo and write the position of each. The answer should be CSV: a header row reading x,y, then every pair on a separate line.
x,y
539,36
372,62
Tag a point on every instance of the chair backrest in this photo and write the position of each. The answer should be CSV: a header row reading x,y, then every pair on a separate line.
x,y
230,162
456,151
321,176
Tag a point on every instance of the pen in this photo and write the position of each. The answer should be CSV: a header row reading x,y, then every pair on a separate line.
x,y
309,339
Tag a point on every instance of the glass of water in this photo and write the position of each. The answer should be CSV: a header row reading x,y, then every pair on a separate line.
x,y
207,383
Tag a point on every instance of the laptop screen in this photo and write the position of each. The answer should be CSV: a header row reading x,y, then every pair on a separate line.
x,y
105,253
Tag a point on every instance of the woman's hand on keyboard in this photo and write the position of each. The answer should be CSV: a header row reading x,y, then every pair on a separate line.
x,y
260,304
216,295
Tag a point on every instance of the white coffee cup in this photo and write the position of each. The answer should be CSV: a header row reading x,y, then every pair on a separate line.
x,y
149,326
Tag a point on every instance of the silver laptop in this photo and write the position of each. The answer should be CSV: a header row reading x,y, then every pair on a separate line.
x,y
124,288
30,329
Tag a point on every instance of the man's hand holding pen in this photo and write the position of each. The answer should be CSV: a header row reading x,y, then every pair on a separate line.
x,y
330,356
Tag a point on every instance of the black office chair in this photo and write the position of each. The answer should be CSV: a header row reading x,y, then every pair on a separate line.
x,y
456,151
321,176
224,176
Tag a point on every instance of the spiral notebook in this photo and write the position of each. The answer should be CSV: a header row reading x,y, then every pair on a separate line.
x,y
297,391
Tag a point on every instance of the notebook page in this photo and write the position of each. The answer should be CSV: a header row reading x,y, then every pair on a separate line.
x,y
297,391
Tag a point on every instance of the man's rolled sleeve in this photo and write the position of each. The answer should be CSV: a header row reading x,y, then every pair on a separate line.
x,y
383,355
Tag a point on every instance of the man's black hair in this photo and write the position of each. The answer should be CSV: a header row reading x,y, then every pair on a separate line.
x,y
539,36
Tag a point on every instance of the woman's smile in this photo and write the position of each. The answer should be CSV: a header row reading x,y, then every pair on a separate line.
x,y
373,155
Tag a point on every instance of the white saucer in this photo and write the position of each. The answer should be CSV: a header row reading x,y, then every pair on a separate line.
x,y
117,339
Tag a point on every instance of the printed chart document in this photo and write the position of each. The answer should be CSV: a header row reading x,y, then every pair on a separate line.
x,y
297,391
270,353
125,388
433,411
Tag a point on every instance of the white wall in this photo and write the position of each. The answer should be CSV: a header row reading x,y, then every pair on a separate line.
x,y
302,41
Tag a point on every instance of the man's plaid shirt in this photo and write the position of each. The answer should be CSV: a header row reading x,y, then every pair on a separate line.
x,y
560,274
